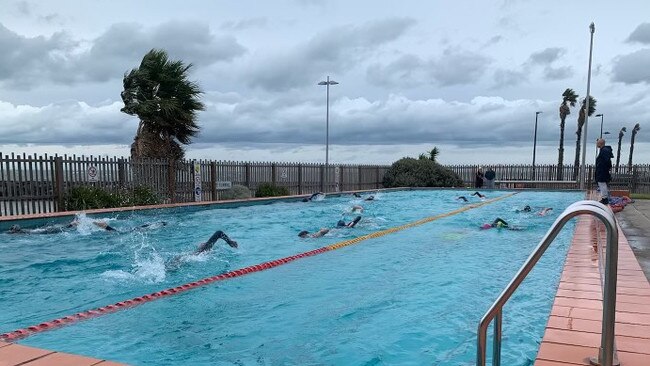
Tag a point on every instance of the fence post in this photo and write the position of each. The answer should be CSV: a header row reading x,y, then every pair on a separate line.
x,y
171,181
633,179
248,175
377,176
322,178
213,179
300,178
121,173
59,183
273,170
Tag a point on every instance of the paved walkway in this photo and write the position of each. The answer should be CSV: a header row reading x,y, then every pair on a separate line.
x,y
635,222
15,354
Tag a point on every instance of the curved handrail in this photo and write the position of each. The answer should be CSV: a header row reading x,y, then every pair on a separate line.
x,y
598,210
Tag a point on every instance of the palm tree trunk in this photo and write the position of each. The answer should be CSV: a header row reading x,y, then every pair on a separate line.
x,y
618,152
576,162
560,159
629,162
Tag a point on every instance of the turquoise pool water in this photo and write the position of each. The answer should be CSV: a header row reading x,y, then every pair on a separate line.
x,y
411,297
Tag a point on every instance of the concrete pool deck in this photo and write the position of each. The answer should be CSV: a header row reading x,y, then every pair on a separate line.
x,y
15,354
574,326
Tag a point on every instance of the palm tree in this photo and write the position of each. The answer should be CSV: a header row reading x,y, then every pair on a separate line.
x,y
569,98
433,154
618,152
635,130
581,122
160,94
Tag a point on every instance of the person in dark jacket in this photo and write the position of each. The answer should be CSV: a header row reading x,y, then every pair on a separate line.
x,y
478,181
603,167
490,174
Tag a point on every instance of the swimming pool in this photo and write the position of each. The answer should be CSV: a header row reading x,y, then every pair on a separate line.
x,y
411,297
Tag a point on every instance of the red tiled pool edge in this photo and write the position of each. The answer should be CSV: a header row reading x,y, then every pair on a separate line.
x,y
573,330
12,354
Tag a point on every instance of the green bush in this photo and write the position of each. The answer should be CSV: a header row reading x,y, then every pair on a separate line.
x,y
237,192
409,172
90,197
270,190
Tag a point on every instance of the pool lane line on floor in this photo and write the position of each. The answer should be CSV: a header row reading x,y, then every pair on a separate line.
x,y
108,309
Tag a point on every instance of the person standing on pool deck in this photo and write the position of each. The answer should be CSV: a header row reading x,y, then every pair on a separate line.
x,y
489,178
478,181
603,167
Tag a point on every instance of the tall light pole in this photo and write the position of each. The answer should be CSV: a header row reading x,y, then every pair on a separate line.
x,y
602,117
592,29
535,142
327,119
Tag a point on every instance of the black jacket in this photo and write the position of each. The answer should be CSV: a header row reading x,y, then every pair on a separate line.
x,y
604,164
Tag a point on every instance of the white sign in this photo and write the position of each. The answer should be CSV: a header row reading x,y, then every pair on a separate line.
x,y
197,182
284,173
224,185
92,174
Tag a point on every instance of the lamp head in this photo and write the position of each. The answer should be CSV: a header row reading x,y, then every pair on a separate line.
x,y
592,27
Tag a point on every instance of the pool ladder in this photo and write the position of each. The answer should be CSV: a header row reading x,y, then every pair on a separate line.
x,y
605,355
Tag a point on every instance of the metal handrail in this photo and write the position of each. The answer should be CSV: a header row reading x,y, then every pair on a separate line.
x,y
606,353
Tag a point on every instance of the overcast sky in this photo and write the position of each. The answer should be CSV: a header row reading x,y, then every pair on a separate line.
x,y
466,76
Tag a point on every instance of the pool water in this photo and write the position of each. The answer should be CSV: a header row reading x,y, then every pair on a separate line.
x,y
411,297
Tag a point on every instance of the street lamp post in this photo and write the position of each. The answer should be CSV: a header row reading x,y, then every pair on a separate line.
x,y
327,122
535,142
327,117
592,29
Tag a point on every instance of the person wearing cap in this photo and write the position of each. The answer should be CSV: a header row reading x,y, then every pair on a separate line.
x,y
318,234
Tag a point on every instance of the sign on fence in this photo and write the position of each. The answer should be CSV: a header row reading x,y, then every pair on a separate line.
x,y
284,173
224,185
92,173
197,182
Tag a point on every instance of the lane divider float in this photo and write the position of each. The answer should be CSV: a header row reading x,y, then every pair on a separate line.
x,y
108,309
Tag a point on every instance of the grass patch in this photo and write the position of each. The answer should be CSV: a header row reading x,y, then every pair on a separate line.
x,y
640,196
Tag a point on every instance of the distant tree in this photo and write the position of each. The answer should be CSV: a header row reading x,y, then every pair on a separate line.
x,y
423,156
433,154
581,122
618,152
160,94
409,172
635,130
569,98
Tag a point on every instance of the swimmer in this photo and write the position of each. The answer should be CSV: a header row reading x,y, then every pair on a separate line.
x,y
545,211
313,196
499,223
55,229
357,208
357,195
478,194
204,247
175,262
318,234
525,209
462,198
151,225
370,198
350,224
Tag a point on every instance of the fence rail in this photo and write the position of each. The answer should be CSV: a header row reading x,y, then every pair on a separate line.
x,y
39,184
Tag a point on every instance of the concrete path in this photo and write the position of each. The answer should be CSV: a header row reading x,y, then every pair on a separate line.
x,y
635,222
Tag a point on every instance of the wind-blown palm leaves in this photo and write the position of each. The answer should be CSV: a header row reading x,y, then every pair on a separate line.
x,y
569,98
167,103
581,122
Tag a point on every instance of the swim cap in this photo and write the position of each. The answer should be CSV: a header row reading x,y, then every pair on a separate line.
x,y
486,226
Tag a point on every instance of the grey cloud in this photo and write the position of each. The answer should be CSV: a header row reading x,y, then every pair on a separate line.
x,y
454,67
494,40
504,78
632,68
24,8
337,49
641,34
245,24
458,66
547,56
121,47
557,73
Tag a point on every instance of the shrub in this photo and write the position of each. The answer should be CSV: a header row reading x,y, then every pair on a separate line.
x,y
90,197
237,192
270,190
409,172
